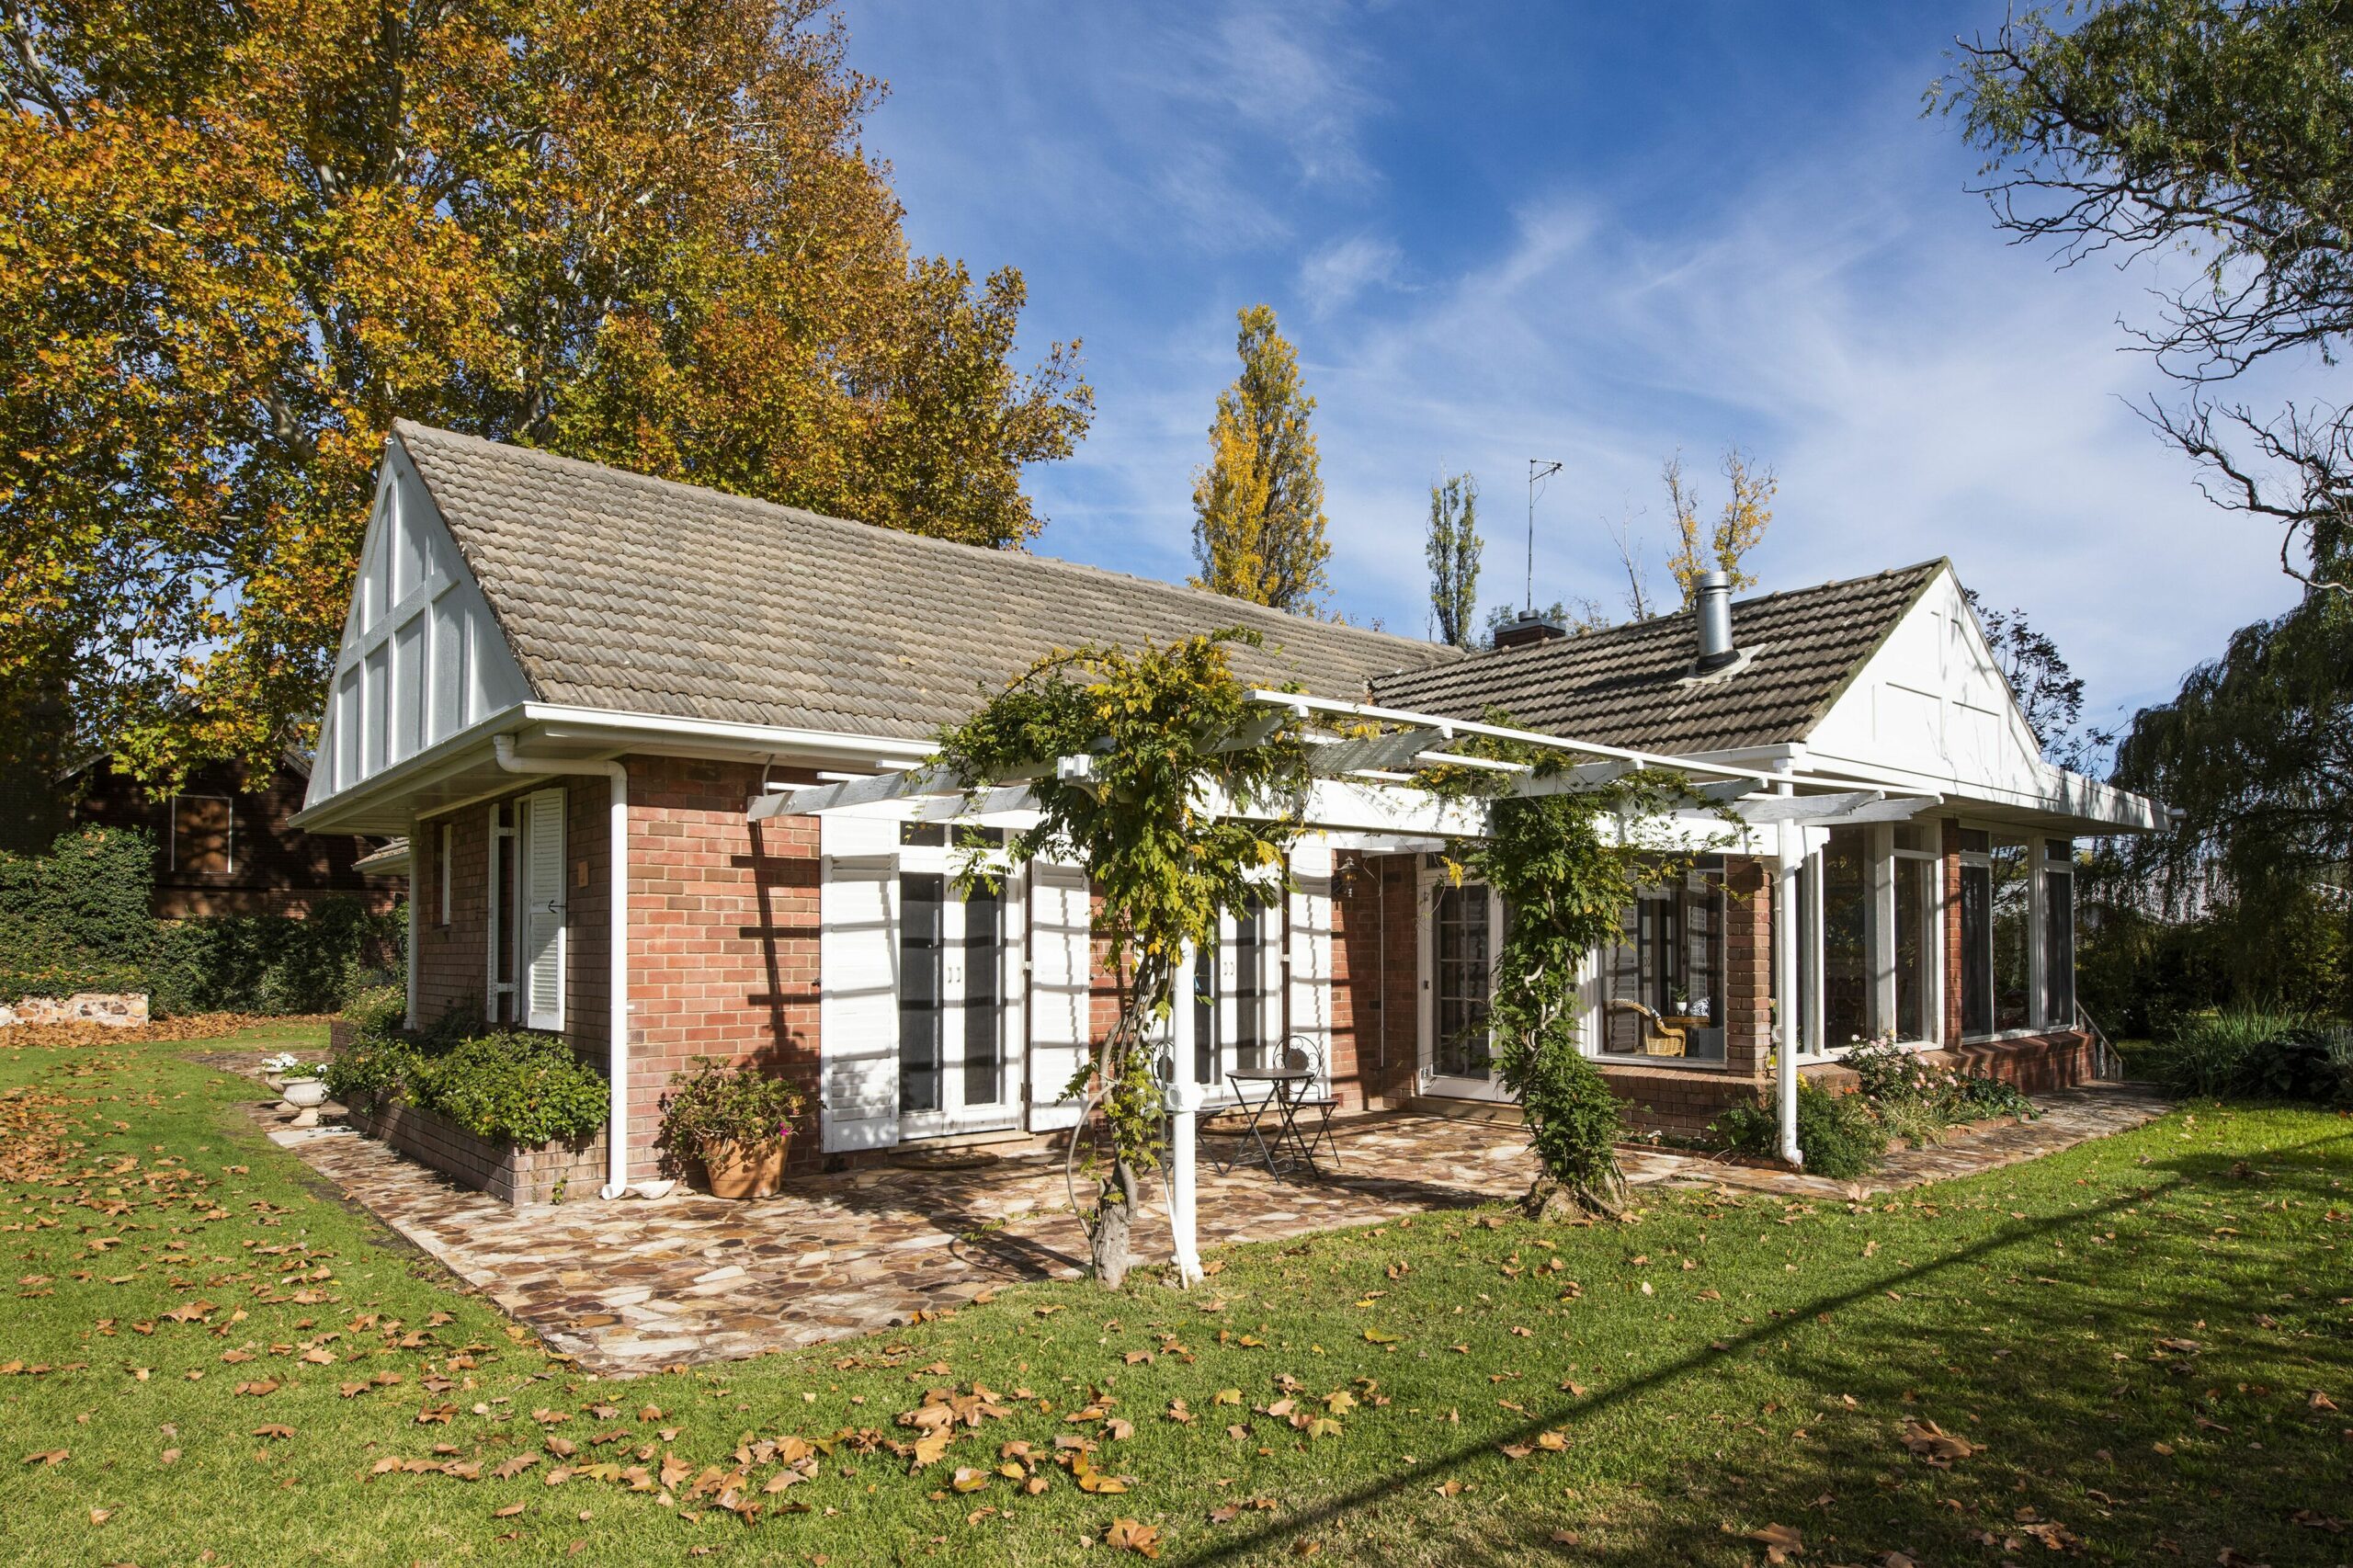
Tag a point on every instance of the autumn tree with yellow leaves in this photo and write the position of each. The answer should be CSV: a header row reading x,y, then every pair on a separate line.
x,y
237,241
1259,502
1747,511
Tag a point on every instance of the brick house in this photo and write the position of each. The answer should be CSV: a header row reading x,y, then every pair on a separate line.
x,y
225,843
545,659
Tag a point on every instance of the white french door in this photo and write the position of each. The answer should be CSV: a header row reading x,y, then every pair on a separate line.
x,y
1229,1005
959,994
1462,929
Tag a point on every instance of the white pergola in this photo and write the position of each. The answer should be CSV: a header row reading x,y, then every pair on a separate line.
x,y
1362,796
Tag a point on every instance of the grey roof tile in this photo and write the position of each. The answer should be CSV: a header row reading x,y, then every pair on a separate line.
x,y
645,595
1626,685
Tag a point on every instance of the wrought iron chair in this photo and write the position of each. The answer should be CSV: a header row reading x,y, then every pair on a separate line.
x,y
1301,1055
1659,1037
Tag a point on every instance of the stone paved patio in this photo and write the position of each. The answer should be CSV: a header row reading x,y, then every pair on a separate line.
x,y
631,1287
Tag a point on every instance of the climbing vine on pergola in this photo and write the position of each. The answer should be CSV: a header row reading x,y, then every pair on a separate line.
x,y
1159,738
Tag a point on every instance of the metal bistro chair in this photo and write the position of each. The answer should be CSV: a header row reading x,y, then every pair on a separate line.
x,y
1301,1055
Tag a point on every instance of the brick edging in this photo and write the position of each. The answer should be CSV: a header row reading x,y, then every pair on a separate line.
x,y
508,1171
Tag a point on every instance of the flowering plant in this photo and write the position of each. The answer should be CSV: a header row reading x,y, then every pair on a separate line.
x,y
288,1065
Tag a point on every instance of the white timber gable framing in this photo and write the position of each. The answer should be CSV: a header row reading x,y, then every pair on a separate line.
x,y
421,657
1930,710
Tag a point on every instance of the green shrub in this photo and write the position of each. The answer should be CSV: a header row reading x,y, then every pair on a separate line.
x,y
374,1072
377,1012
522,1088
711,1102
273,963
1976,1096
75,918
1836,1133
2209,1055
1574,1119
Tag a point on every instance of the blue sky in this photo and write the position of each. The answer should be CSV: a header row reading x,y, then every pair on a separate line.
x,y
1590,234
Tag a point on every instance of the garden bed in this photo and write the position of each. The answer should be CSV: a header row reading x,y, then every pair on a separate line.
x,y
517,1176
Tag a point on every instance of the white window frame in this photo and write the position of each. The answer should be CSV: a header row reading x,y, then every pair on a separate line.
x,y
1884,855
1427,1078
1183,1040
954,1117
228,833
2036,846
1592,981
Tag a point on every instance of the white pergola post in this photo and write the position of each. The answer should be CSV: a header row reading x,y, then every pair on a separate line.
x,y
1786,872
1184,1112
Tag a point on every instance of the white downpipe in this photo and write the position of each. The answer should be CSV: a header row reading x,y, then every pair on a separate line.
x,y
1785,985
617,982
1183,1108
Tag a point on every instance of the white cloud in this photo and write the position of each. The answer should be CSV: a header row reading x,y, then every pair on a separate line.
x,y
1332,278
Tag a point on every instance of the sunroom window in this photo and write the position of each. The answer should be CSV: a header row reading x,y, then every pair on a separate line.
x,y
1662,981
2018,932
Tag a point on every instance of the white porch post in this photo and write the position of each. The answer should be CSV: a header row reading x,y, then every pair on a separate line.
x,y
1183,1108
1791,844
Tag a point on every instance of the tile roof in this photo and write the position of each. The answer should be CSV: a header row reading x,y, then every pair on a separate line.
x,y
1626,686
643,596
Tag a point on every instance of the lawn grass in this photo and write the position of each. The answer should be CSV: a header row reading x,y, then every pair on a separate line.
x,y
1713,1370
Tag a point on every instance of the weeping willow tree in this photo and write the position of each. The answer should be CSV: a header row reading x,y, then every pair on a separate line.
x,y
1167,730
2257,752
1566,866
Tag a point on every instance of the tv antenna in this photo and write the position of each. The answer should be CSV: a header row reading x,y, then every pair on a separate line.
x,y
1539,470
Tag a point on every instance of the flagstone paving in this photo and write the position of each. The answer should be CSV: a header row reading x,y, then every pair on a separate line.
x,y
634,1285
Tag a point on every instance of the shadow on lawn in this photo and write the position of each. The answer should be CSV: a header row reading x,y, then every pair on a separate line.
x,y
1856,1495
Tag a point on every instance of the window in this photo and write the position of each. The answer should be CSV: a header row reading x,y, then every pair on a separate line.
x,y
2018,932
1229,996
1661,982
1916,929
203,834
442,870
1848,1010
1464,972
2058,933
2013,915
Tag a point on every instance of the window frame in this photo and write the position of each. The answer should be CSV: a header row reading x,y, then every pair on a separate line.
x,y
228,834
2040,865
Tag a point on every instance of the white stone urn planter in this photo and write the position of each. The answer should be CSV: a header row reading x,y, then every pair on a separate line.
x,y
306,1096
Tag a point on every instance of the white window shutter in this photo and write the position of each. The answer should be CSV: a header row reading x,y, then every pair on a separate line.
x,y
542,864
1310,947
857,996
1062,984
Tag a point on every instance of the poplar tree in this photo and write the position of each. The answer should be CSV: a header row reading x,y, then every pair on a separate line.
x,y
1748,512
1259,502
1454,549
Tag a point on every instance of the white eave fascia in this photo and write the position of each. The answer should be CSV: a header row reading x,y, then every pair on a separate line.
x,y
617,732
2073,797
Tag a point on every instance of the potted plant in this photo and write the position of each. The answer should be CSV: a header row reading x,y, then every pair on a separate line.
x,y
303,1084
737,1120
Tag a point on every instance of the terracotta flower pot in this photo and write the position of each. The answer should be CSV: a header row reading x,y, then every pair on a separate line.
x,y
736,1173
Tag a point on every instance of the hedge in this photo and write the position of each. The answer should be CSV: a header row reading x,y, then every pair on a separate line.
x,y
76,919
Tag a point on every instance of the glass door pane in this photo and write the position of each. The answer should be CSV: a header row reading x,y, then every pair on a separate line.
x,y
923,989
1914,913
1846,937
1205,1018
1464,969
983,1002
2013,910
1976,949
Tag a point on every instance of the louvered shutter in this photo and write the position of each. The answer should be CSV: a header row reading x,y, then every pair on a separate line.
x,y
1310,947
1061,989
857,1000
542,860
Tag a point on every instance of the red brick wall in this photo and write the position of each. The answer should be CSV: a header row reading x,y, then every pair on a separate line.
x,y
451,957
723,945
1748,967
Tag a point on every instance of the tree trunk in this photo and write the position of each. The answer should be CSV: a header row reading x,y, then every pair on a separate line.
x,y
1115,1217
1550,1199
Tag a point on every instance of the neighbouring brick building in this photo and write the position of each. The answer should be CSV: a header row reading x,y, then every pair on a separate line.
x,y
546,658
225,843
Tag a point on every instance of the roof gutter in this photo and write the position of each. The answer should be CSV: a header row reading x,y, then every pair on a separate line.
x,y
616,984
